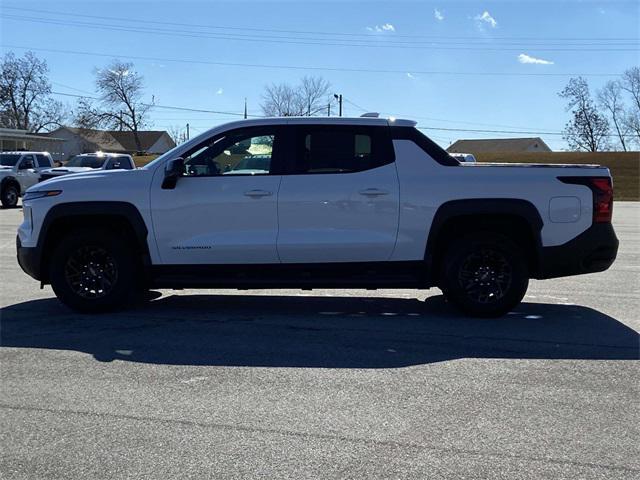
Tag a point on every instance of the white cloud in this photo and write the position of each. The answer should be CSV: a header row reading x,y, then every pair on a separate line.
x,y
486,18
387,27
524,58
438,15
220,91
412,77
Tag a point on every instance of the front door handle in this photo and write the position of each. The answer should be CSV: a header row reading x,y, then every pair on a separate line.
x,y
373,192
258,193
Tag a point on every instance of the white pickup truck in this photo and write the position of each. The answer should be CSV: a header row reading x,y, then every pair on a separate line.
x,y
86,162
340,203
19,171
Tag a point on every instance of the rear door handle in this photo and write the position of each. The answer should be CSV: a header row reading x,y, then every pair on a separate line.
x,y
258,193
373,192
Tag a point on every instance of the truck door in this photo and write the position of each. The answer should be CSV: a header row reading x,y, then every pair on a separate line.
x,y
339,201
223,209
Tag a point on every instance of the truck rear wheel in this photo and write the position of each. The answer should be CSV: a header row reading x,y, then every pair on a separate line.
x,y
94,270
484,275
9,195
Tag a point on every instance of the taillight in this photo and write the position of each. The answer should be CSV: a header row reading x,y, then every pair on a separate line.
x,y
602,199
602,195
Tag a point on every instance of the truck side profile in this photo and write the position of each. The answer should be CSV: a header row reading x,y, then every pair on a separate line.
x,y
317,203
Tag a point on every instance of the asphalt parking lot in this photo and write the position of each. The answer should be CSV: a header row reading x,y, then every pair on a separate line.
x,y
324,384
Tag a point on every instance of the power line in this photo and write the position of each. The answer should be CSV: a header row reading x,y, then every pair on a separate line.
x,y
510,132
309,68
304,32
167,107
356,105
433,119
294,40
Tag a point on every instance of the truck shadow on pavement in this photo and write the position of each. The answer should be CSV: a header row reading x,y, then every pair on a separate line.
x,y
316,332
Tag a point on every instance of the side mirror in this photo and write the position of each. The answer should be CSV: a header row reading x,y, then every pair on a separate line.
x,y
172,172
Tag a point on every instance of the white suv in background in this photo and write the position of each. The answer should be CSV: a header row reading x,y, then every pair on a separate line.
x,y
316,203
19,171
87,162
464,157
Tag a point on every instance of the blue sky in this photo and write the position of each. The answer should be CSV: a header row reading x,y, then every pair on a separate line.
x,y
424,46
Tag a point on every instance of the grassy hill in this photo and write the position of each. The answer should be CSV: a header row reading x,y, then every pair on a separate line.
x,y
624,166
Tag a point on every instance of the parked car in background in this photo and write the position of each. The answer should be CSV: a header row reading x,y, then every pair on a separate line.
x,y
464,157
87,162
19,171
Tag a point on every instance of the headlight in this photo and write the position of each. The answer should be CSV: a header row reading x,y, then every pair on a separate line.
x,y
40,194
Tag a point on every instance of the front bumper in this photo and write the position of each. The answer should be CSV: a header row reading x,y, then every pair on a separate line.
x,y
594,250
29,260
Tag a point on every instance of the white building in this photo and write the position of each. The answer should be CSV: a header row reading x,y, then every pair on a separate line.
x,y
14,140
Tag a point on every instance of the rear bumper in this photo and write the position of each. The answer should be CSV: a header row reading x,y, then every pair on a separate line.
x,y
29,260
594,250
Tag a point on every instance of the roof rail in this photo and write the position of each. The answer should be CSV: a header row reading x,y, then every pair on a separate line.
x,y
370,115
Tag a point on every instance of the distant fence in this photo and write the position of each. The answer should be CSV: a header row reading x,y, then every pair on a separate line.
x,y
624,166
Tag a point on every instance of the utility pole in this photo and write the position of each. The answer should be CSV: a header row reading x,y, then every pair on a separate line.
x,y
187,131
329,109
339,98
245,108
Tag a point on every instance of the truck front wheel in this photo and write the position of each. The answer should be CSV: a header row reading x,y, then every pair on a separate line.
x,y
9,195
484,275
93,270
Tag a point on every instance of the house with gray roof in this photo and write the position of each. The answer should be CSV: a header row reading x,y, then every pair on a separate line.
x,y
86,140
490,145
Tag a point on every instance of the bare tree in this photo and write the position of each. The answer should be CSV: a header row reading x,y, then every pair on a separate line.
x,y
281,100
120,105
306,99
314,92
178,134
588,129
631,84
610,98
25,95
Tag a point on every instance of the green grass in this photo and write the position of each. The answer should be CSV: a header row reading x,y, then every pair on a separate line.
x,y
624,166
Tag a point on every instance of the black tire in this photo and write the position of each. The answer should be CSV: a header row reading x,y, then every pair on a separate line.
x,y
484,275
9,195
94,271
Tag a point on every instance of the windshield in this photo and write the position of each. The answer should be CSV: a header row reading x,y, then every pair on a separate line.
x,y
9,159
86,161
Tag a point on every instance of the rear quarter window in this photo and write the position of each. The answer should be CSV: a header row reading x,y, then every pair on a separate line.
x,y
430,147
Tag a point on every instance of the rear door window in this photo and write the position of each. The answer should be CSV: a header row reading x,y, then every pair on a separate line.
x,y
43,161
323,149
